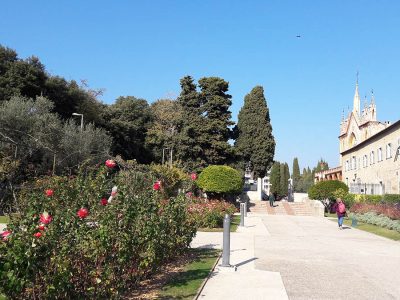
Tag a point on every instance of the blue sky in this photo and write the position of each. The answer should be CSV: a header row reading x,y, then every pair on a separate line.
x,y
143,48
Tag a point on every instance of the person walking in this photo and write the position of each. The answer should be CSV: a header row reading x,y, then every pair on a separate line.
x,y
340,211
271,199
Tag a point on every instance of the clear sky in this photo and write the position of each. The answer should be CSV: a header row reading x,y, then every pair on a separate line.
x,y
143,48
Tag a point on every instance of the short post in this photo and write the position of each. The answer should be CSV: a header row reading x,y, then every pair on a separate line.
x,y
354,221
226,242
245,209
241,214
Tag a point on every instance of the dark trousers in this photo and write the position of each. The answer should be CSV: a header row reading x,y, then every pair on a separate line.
x,y
271,202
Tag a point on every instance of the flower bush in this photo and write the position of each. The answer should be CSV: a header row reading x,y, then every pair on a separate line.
x,y
209,213
391,211
76,245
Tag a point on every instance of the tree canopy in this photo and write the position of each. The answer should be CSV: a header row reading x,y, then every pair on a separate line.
x,y
255,141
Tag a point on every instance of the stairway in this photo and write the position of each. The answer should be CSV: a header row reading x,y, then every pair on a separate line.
x,y
281,208
258,207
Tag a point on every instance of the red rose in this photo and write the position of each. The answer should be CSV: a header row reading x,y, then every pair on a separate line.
x,y
49,192
45,218
37,234
41,227
193,176
82,213
5,234
110,163
156,186
103,202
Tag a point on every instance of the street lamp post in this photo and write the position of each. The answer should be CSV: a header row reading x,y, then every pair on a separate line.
x,y
81,115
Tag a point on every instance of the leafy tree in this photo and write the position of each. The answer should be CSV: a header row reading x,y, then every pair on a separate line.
x,y
220,181
35,141
328,190
255,141
296,173
190,139
127,121
275,178
216,103
20,77
163,130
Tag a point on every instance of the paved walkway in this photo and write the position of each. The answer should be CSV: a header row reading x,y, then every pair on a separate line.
x,y
296,257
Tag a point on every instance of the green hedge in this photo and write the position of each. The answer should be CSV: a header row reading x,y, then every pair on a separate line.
x,y
391,198
372,199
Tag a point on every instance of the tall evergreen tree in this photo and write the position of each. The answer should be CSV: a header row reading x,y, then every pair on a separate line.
x,y
296,173
282,181
190,139
255,141
275,178
216,103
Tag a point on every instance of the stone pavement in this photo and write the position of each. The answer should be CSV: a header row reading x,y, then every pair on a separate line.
x,y
303,257
246,282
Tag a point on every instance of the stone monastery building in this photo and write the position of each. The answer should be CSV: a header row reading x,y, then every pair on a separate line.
x,y
369,151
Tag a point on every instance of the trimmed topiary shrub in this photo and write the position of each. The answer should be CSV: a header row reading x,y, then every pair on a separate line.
x,y
219,181
327,189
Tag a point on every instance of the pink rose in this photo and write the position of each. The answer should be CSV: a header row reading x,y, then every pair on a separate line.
x,y
110,163
37,234
45,218
49,192
156,185
193,176
41,227
82,213
5,234
189,194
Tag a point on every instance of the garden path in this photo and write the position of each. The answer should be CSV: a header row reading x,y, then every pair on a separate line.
x,y
318,261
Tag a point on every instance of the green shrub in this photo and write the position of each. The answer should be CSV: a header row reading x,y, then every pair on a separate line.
x,y
375,219
97,256
172,179
349,200
391,198
327,189
209,213
218,181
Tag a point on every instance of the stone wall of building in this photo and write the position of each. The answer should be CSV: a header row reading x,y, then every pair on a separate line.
x,y
373,166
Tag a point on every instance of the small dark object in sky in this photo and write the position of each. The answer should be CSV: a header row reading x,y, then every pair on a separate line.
x,y
298,36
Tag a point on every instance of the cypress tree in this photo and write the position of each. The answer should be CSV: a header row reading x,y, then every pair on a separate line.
x,y
215,109
296,173
189,141
282,181
286,179
275,178
255,141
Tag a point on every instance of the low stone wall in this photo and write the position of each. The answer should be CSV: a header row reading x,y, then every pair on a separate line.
x,y
317,208
300,197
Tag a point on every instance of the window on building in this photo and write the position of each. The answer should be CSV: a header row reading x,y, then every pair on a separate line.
x,y
347,165
388,151
354,163
365,161
380,154
372,158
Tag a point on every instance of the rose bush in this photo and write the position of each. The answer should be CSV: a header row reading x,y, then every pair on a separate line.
x,y
209,213
74,245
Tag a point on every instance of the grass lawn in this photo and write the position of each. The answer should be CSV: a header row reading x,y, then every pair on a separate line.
x,y
186,284
235,221
4,219
381,231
